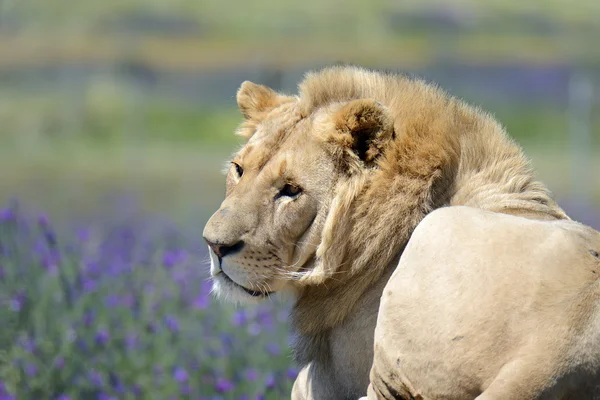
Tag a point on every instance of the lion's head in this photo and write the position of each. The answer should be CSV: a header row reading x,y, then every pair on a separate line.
x,y
332,182
267,234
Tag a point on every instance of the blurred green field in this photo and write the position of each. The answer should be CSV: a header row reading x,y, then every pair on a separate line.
x,y
169,155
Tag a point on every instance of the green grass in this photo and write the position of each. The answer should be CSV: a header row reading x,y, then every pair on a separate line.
x,y
170,155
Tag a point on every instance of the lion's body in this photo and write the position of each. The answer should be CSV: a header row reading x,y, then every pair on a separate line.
x,y
326,193
496,304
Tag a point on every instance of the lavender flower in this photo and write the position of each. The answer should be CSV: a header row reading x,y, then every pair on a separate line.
x,y
83,235
270,381
89,285
102,337
223,385
95,378
254,329
7,215
174,257
251,375
28,345
180,375
17,302
131,340
292,373
31,370
172,323
88,318
201,302
273,349
239,318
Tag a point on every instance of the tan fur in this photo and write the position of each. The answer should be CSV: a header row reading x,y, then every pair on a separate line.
x,y
374,153
491,306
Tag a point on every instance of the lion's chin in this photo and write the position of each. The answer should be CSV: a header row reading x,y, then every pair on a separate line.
x,y
226,289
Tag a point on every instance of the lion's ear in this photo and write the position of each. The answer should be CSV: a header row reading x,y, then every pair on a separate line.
x,y
364,127
255,100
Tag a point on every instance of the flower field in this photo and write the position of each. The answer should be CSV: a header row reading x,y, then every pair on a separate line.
x,y
121,309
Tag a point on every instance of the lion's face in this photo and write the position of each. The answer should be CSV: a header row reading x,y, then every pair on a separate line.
x,y
280,186
267,229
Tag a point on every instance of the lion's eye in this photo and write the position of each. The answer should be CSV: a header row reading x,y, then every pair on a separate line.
x,y
290,190
238,169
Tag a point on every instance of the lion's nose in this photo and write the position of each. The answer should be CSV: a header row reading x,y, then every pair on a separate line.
x,y
222,249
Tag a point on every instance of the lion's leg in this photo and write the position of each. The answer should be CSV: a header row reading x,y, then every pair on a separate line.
x,y
519,379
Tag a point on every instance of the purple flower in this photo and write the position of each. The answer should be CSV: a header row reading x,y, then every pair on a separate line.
x,y
88,319
82,345
63,397
223,385
254,329
136,390
7,214
50,263
89,285
185,389
127,300
31,370
201,302
43,220
174,257
59,363
270,381
112,301
83,235
265,318
115,382
92,268
102,337
239,318
172,324
292,373
180,375
131,340
273,349
95,378
47,231
17,302
252,375
28,345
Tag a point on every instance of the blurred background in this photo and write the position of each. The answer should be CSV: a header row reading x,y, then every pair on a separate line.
x,y
116,117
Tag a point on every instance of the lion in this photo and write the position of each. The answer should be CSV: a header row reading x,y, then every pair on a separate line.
x,y
321,202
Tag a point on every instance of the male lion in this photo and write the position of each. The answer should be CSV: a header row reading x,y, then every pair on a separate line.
x,y
322,201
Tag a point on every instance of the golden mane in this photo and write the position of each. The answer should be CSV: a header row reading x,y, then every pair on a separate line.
x,y
444,152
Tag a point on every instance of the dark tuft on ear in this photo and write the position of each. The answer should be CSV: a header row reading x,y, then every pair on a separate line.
x,y
364,126
255,100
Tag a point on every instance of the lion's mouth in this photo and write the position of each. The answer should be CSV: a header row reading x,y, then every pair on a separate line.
x,y
251,292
